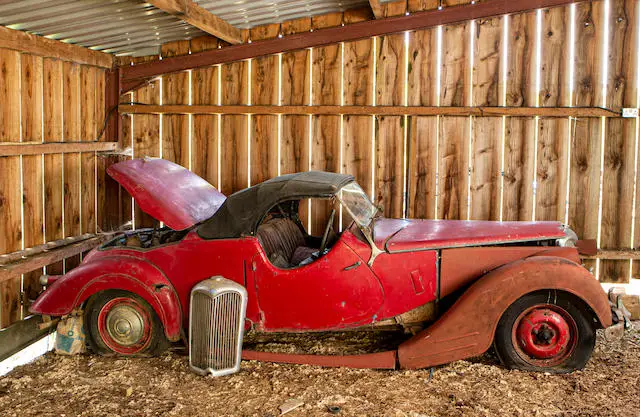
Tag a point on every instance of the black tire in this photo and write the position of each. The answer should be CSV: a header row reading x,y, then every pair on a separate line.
x,y
154,341
517,353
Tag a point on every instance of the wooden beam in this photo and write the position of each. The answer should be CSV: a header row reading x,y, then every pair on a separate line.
x,y
39,260
201,18
133,75
39,148
372,110
376,8
49,48
614,254
21,334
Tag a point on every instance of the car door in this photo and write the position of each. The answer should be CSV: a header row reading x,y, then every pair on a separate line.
x,y
336,291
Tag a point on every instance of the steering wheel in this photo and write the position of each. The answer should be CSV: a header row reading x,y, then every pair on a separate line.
x,y
325,236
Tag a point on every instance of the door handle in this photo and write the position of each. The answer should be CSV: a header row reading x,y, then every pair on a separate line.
x,y
354,266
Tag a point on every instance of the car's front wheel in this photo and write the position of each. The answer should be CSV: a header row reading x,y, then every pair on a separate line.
x,y
546,331
120,322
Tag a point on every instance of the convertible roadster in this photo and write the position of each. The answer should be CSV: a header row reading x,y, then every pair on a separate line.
x,y
224,266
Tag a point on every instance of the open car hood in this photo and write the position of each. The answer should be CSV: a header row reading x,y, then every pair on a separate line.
x,y
396,235
167,191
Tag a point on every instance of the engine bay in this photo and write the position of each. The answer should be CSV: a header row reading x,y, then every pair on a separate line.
x,y
147,238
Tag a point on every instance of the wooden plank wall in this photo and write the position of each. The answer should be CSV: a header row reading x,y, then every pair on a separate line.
x,y
578,171
45,197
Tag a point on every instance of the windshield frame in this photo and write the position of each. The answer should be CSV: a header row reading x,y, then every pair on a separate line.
x,y
366,215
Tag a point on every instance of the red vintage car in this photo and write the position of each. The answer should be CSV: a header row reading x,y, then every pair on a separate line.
x,y
223,266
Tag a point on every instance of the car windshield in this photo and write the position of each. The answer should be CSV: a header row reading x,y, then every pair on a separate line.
x,y
357,203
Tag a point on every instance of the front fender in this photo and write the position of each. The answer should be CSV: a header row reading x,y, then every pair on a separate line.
x,y
114,272
468,327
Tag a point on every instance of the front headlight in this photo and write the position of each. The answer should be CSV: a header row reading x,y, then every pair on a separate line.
x,y
569,240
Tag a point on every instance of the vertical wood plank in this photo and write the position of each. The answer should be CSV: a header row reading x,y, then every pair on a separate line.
x,y
111,200
551,168
234,158
422,165
326,89
519,146
587,137
486,141
554,63
10,193
617,199
146,136
423,138
204,128
295,89
125,201
620,153
553,134
521,59
71,133
32,176
294,138
453,168
422,5
264,128
486,137
587,50
519,140
359,14
390,130
393,8
585,178
422,68
486,61
358,75
357,153
53,126
453,142
302,24
89,126
455,85
389,170
175,127
106,194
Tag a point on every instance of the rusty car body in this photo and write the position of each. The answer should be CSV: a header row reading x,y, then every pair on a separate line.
x,y
454,287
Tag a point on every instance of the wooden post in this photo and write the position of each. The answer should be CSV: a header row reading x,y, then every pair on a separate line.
x,y
109,216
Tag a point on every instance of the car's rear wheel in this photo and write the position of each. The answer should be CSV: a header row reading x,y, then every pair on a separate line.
x,y
122,323
546,331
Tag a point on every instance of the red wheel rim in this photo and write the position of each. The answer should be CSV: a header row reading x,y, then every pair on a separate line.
x,y
544,335
124,325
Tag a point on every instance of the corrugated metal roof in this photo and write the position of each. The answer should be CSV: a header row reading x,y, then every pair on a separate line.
x,y
245,14
133,27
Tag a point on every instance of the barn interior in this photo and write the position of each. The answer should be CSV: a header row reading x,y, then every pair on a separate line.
x,y
440,109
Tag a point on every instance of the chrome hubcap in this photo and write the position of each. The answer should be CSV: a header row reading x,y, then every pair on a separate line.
x,y
125,325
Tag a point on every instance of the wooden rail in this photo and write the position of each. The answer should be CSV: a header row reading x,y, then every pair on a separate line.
x,y
21,334
621,255
32,262
372,110
38,148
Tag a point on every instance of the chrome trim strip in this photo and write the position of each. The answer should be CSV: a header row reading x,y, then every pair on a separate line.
x,y
490,243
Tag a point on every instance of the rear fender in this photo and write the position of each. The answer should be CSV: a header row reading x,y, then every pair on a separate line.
x,y
468,327
114,272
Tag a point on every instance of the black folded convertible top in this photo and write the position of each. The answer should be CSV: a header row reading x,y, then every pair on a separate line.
x,y
242,211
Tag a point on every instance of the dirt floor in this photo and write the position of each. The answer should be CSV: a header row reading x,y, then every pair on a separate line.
x,y
93,386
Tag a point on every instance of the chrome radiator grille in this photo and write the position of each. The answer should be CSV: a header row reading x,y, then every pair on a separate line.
x,y
216,325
